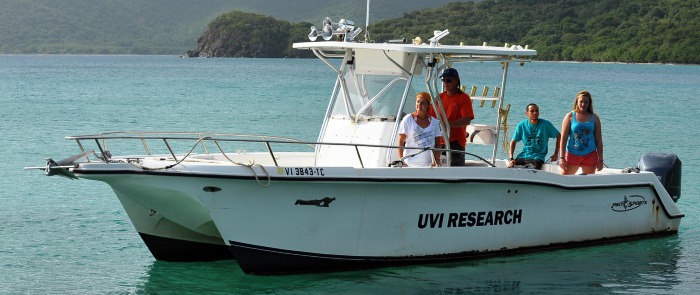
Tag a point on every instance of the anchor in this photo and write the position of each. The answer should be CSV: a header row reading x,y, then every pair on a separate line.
x,y
61,167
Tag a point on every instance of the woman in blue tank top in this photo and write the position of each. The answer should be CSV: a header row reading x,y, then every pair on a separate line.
x,y
582,138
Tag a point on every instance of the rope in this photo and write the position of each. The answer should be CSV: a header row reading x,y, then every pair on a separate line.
x,y
249,165
504,122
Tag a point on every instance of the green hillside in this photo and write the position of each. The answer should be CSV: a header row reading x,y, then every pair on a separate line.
x,y
642,31
666,31
156,26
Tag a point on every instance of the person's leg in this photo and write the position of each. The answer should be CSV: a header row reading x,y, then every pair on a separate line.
x,y
457,157
571,169
573,162
588,164
588,169
538,164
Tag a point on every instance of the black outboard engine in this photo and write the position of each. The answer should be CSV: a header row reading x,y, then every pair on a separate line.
x,y
667,168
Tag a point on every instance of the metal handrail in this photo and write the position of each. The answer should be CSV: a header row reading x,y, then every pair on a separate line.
x,y
222,137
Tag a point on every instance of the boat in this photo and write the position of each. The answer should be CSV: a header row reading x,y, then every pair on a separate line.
x,y
346,202
174,227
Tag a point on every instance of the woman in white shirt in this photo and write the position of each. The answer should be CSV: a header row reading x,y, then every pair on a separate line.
x,y
419,130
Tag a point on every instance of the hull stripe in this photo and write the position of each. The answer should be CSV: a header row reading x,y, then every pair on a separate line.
x,y
175,250
262,260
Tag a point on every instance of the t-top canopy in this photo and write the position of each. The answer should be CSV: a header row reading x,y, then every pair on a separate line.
x,y
334,46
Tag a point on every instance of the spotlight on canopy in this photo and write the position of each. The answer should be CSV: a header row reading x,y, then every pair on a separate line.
x,y
326,33
344,28
314,34
346,25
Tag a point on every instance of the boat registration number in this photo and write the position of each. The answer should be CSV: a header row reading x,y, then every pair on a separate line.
x,y
301,171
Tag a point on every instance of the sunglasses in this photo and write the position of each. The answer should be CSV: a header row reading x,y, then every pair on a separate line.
x,y
447,80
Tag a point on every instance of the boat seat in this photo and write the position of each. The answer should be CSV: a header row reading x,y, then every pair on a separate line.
x,y
481,134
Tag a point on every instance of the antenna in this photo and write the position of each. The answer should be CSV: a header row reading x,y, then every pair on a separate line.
x,y
367,24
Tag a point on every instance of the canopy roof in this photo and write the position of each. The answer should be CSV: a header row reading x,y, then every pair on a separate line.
x,y
330,46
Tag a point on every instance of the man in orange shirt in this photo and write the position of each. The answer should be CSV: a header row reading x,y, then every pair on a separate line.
x,y
459,112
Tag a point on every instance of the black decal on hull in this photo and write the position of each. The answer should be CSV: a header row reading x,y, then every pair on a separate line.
x,y
318,203
629,203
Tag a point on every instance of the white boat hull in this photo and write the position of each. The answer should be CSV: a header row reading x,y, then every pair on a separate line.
x,y
172,225
359,218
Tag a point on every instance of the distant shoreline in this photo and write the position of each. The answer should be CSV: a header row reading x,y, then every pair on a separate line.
x,y
185,56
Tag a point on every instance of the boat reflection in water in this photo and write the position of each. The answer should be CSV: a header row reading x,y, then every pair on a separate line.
x,y
644,266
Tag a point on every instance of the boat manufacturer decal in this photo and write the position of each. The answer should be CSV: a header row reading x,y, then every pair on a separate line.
x,y
301,171
629,203
469,219
318,203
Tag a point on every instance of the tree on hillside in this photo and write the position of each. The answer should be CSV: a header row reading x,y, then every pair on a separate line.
x,y
239,34
666,31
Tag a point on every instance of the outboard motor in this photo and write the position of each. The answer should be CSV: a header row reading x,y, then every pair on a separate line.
x,y
667,168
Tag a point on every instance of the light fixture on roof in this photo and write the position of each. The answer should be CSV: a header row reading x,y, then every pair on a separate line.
x,y
344,28
326,30
346,25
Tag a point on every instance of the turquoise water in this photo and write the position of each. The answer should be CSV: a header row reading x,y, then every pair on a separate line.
x,y
59,236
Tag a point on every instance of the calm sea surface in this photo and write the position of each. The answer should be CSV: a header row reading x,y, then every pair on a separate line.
x,y
59,236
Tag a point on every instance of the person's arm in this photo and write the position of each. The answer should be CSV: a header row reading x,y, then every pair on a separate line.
x,y
437,153
555,156
599,143
467,115
461,122
511,153
402,142
565,130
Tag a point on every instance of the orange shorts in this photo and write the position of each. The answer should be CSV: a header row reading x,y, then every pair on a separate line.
x,y
584,161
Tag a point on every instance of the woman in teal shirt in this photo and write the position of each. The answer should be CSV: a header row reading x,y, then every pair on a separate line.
x,y
582,138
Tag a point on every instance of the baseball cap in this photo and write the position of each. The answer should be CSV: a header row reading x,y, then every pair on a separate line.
x,y
450,72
